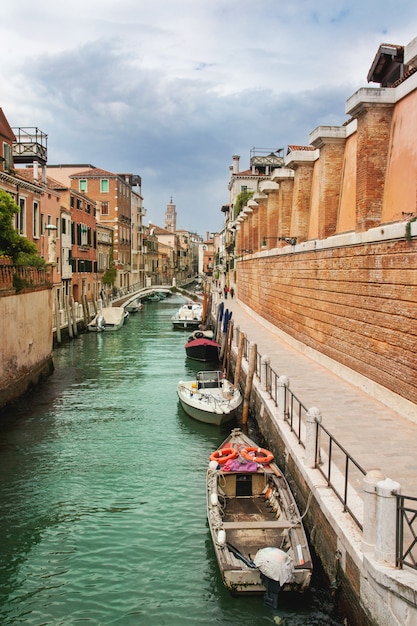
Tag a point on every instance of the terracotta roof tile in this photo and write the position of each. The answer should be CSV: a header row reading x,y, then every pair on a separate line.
x,y
94,173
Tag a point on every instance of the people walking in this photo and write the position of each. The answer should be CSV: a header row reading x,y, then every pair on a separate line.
x,y
226,291
232,292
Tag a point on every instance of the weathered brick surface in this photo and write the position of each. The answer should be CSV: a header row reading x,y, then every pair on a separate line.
x,y
357,305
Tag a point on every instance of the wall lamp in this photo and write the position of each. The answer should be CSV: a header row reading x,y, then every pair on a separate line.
x,y
291,240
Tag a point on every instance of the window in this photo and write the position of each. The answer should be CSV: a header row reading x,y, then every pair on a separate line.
x,y
63,226
79,204
72,202
104,185
21,216
104,208
8,159
83,184
35,219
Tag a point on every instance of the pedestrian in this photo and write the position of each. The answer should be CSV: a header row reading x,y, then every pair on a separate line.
x,y
226,291
232,292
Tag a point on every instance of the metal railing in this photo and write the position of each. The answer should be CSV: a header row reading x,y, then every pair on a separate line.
x,y
331,455
295,414
342,473
406,536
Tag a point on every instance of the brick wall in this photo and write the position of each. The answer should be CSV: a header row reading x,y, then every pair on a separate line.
x,y
357,305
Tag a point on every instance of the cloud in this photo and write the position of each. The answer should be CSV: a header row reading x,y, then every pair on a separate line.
x,y
171,90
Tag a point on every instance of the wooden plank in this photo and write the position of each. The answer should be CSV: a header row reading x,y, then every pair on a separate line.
x,y
259,524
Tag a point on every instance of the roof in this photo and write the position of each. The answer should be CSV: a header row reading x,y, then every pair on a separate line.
x,y
95,172
293,147
5,129
387,63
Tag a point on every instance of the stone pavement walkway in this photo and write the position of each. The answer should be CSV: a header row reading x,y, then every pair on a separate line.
x,y
373,434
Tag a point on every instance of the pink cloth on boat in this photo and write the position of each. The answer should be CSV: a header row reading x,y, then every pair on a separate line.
x,y
235,465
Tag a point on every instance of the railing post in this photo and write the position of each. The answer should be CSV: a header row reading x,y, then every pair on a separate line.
x,y
313,417
283,384
265,361
386,519
370,481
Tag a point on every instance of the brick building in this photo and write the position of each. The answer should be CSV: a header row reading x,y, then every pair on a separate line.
x,y
329,240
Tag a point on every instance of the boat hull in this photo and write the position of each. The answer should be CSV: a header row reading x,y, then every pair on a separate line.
x,y
202,349
207,417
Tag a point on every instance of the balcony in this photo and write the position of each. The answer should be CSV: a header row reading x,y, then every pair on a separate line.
x,y
30,145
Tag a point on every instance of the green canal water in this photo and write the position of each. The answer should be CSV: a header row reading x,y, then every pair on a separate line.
x,y
102,492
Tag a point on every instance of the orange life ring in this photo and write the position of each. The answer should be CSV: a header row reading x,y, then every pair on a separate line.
x,y
223,455
262,456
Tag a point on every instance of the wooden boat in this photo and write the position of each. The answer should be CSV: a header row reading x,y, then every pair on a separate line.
x,y
210,398
108,319
189,316
257,530
202,347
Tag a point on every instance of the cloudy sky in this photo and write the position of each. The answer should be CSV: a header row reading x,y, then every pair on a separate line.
x,y
171,89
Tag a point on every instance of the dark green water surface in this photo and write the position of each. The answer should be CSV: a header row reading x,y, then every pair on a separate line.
x,y
102,493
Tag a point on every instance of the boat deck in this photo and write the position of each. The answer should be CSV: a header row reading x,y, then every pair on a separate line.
x,y
251,524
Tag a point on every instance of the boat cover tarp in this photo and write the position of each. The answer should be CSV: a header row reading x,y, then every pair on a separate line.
x,y
275,564
236,465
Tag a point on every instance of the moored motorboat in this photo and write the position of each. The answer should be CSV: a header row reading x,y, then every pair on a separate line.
x,y
108,319
256,528
189,316
209,398
133,306
201,347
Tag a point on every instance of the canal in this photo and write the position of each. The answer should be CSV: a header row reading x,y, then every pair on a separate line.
x,y
102,491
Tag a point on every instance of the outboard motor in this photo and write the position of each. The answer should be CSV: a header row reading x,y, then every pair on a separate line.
x,y
100,323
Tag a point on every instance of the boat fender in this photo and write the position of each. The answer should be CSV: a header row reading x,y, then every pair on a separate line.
x,y
223,455
214,500
221,537
213,465
261,455
199,334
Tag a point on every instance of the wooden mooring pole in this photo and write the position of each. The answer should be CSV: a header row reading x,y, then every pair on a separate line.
x,y
249,379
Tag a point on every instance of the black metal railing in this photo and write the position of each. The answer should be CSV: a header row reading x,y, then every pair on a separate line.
x,y
340,470
295,414
406,539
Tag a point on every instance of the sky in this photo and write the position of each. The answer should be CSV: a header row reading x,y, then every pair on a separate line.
x,y
172,89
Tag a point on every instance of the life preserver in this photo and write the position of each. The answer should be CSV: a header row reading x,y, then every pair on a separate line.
x,y
198,335
261,455
223,455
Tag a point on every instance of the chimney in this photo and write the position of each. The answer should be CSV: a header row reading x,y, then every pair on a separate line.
x,y
235,163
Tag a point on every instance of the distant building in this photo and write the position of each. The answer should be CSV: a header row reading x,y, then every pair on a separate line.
x,y
171,217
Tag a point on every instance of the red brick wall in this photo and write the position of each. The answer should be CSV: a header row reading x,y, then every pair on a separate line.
x,y
357,305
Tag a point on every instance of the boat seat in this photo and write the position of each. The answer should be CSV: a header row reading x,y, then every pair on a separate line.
x,y
208,385
259,524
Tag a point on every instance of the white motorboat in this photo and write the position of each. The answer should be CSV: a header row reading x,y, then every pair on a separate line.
x,y
108,319
189,316
210,398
